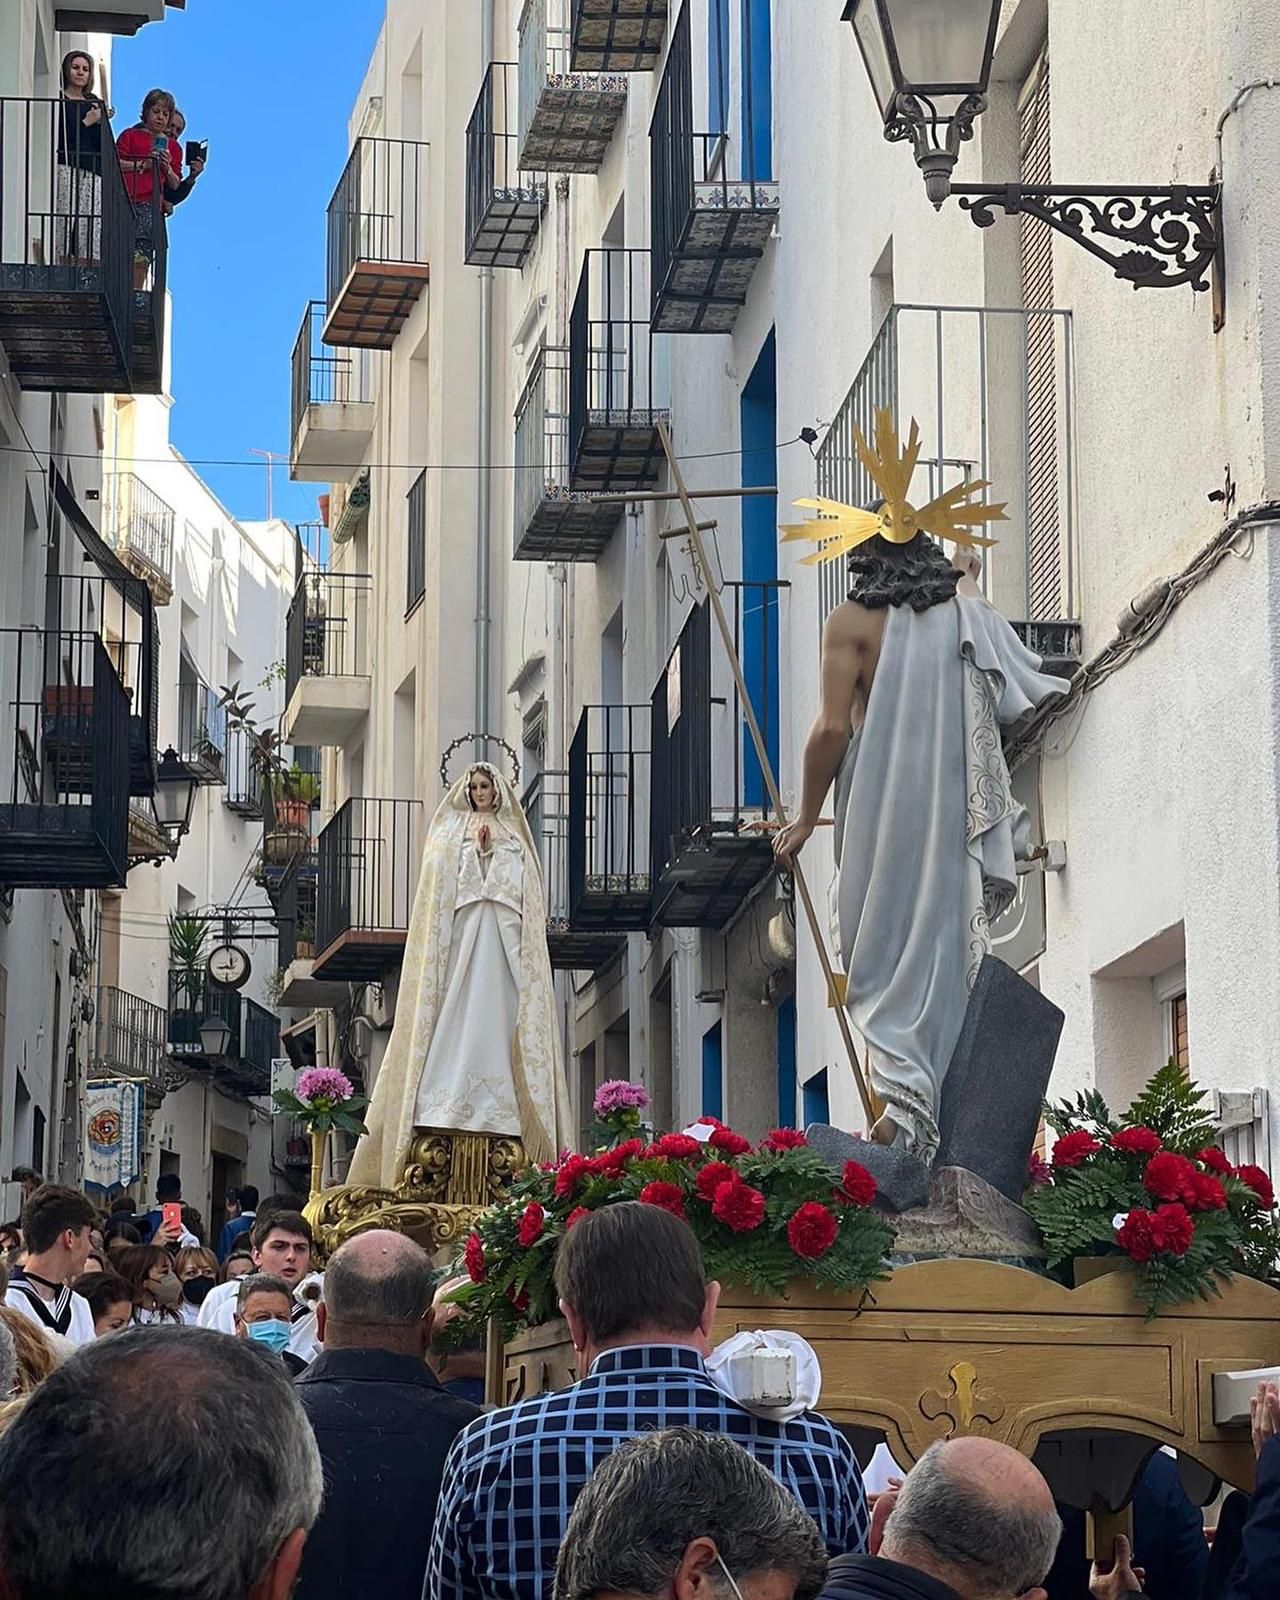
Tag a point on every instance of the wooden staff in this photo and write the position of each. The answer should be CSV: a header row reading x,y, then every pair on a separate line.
x,y
870,1103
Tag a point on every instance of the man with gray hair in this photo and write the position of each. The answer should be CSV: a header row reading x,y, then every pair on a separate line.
x,y
973,1521
383,1423
161,1461
684,1514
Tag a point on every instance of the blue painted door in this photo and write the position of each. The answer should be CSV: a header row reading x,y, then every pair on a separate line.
x,y
759,613
817,1101
713,1071
717,66
757,91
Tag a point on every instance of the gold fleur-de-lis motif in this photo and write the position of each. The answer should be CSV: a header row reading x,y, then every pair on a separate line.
x,y
965,1402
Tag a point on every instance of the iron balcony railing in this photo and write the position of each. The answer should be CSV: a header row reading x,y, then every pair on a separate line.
x,y
244,783
542,436
707,778
202,730
567,118
295,903
327,628
416,550
546,808
259,1044
613,404
714,201
64,762
322,375
67,232
130,1038
378,213
504,204
139,523
368,867
993,391
609,783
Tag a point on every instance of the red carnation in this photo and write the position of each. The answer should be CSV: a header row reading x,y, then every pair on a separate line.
x,y
1136,1141
812,1230
1260,1183
785,1139
473,1255
611,1163
531,1224
572,1169
1214,1159
1073,1149
711,1177
674,1147
1170,1177
738,1206
1172,1229
729,1142
1134,1236
666,1196
575,1217
519,1300
1209,1195
857,1186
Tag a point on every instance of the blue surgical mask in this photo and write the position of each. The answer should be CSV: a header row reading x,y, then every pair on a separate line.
x,y
273,1333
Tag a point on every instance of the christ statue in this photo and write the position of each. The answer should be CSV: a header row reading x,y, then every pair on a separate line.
x,y
919,673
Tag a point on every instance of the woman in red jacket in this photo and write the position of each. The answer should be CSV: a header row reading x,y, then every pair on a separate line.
x,y
151,163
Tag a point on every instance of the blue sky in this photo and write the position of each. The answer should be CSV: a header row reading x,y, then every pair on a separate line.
x,y
269,83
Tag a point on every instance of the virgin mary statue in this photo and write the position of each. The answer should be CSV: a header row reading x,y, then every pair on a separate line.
x,y
475,1047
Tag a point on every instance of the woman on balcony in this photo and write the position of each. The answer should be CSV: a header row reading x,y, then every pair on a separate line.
x,y
475,1047
79,197
149,158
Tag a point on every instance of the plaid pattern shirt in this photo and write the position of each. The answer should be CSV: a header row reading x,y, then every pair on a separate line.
x,y
512,1476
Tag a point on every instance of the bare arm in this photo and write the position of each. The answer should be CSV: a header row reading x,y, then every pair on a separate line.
x,y
829,737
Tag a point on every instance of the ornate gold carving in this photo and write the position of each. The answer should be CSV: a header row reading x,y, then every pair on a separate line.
x,y
965,1404
448,1180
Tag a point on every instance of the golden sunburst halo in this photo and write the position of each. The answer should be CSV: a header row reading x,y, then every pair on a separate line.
x,y
839,529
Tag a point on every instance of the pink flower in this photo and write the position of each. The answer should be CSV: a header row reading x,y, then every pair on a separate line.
x,y
1075,1148
323,1083
785,1139
666,1196
738,1206
619,1095
812,1230
531,1224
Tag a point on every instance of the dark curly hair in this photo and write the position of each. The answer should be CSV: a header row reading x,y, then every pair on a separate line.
x,y
918,574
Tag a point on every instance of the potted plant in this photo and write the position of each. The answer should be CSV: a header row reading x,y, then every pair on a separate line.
x,y
294,792
305,949
187,937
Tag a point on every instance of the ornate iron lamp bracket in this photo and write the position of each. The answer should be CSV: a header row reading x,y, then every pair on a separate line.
x,y
1172,235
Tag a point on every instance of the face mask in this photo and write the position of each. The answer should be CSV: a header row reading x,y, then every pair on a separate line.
x,y
195,1290
274,1334
168,1291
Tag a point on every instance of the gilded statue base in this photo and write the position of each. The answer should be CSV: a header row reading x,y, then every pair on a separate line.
x,y
971,1347
448,1180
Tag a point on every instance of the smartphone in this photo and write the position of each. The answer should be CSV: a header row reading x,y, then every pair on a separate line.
x,y
197,150
171,1214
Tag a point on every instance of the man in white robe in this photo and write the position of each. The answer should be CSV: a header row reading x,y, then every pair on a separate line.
x,y
917,680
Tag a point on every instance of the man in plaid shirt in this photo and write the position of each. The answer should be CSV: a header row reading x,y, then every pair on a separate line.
x,y
633,1290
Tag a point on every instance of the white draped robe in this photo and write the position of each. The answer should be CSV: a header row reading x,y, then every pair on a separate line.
x,y
928,834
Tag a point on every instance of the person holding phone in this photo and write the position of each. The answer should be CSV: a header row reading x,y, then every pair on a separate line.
x,y
151,163
197,155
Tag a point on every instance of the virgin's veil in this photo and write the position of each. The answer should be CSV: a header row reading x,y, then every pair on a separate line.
x,y
541,1091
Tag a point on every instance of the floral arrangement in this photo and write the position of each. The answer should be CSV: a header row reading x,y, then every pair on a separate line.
x,y
323,1099
617,1106
763,1216
1154,1188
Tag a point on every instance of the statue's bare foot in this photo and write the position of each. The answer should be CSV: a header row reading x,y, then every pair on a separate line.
x,y
885,1131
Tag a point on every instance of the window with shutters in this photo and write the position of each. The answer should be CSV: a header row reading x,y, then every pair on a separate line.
x,y
1045,598
1178,1045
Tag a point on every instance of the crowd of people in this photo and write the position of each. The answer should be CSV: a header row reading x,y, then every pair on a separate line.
x,y
149,155
176,1425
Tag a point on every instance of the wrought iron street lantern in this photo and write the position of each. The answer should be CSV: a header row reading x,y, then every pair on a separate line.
x,y
929,62
215,1036
175,796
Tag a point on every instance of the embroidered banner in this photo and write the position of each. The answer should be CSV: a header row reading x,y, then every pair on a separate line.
x,y
112,1134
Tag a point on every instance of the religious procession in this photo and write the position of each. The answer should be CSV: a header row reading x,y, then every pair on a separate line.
x,y
651,974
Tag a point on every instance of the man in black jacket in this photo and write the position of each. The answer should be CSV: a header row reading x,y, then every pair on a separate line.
x,y
974,1521
383,1423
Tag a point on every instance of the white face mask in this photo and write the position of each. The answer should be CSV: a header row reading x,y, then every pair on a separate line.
x,y
729,1576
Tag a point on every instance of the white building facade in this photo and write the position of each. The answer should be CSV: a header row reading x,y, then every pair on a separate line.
x,y
608,218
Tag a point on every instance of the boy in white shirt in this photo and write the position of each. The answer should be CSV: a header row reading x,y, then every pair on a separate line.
x,y
56,1224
